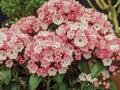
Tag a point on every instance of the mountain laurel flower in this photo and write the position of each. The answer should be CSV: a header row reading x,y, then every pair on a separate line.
x,y
96,84
63,70
89,78
3,55
83,77
61,30
65,62
80,41
3,36
70,34
32,68
107,62
48,58
45,64
12,54
19,47
52,71
106,74
38,49
112,68
1,43
42,72
9,63
58,19
107,85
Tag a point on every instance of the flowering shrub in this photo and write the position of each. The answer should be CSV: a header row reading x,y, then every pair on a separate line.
x,y
66,47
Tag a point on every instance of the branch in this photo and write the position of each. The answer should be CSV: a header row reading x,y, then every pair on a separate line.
x,y
117,4
104,4
114,18
91,5
100,4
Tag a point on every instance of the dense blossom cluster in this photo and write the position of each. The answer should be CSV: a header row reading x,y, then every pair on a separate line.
x,y
47,55
59,11
12,43
27,25
80,33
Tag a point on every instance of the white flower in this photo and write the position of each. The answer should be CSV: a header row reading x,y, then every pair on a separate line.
x,y
32,68
58,19
62,70
44,25
13,39
107,62
37,49
87,55
66,62
97,27
3,55
61,30
19,47
110,37
12,54
48,58
1,43
43,33
89,78
74,26
83,76
114,47
52,71
52,10
9,63
56,44
70,48
3,36
106,74
70,34
80,41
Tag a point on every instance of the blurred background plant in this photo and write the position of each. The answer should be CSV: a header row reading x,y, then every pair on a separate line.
x,y
15,9
112,10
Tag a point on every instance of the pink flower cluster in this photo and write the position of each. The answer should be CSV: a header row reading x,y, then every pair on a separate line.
x,y
83,30
12,43
80,32
59,11
28,25
47,55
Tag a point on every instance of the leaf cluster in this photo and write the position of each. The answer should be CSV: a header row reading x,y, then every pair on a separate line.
x,y
20,8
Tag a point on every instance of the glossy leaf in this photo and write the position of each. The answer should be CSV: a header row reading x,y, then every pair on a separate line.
x,y
97,69
62,86
84,67
6,75
34,82
59,77
83,84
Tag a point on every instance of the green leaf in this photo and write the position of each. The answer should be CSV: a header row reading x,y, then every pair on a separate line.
x,y
6,76
101,87
97,69
59,77
1,84
55,87
91,86
112,85
83,84
84,67
62,86
34,81
72,81
15,86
